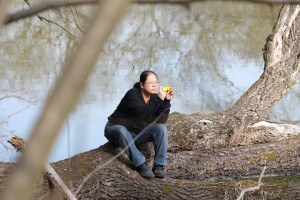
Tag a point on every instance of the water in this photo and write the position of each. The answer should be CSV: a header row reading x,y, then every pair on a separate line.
x,y
210,54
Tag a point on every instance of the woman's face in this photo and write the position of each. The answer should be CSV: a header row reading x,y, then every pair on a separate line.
x,y
151,84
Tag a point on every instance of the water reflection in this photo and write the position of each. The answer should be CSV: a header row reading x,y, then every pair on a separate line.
x,y
210,54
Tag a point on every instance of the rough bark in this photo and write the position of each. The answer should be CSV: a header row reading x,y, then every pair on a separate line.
x,y
199,174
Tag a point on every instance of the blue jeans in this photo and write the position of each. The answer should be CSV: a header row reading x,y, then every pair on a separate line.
x,y
156,133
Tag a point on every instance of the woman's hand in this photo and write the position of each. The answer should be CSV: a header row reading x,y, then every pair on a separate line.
x,y
169,95
161,93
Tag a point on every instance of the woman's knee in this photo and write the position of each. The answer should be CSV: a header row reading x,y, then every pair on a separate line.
x,y
115,132
162,128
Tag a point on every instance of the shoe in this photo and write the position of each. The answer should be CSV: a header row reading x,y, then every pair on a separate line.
x,y
144,170
158,171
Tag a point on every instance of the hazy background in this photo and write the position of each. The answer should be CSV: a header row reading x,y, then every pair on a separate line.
x,y
210,54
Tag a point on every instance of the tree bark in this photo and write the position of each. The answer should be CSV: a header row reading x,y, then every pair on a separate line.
x,y
200,174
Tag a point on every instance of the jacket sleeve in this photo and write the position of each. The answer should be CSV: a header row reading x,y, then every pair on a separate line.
x,y
163,111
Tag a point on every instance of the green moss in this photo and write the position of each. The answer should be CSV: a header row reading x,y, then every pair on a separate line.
x,y
175,113
281,185
270,156
246,183
216,191
167,190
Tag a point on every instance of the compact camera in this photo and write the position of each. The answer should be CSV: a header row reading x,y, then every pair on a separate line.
x,y
167,89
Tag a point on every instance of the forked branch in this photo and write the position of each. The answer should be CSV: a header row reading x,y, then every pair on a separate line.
x,y
253,188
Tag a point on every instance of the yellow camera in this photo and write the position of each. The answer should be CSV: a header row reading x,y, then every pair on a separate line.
x,y
167,89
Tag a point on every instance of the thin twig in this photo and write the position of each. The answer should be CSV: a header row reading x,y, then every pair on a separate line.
x,y
47,5
16,97
50,21
29,5
62,14
74,17
60,182
253,188
65,18
11,115
19,144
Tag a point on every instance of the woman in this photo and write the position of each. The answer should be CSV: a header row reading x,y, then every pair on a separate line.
x,y
138,119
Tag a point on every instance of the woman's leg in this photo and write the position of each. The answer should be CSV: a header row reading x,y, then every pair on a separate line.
x,y
158,134
119,135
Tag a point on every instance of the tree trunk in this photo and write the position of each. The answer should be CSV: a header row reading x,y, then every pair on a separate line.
x,y
281,73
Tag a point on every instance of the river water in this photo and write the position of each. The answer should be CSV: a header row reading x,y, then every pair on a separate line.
x,y
210,53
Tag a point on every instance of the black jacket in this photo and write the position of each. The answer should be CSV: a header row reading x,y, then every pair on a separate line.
x,y
133,113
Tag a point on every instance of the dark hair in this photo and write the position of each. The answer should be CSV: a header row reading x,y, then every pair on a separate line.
x,y
143,77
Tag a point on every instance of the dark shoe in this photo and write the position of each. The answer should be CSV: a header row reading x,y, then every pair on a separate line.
x,y
158,171
144,170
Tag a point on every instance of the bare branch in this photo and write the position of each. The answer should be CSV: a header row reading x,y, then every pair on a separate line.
x,y
45,6
11,115
253,188
56,4
74,17
3,10
60,26
192,1
60,182
19,144
65,95
50,21
17,97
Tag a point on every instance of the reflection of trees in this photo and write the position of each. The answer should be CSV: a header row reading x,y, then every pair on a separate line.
x,y
4,120
288,113
18,96
194,138
195,44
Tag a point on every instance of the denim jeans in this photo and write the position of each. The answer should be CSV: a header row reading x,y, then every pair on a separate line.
x,y
156,133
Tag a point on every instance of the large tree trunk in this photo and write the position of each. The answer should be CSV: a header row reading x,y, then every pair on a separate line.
x,y
204,154
282,67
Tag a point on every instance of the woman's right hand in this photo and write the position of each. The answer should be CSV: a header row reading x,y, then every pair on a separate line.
x,y
161,93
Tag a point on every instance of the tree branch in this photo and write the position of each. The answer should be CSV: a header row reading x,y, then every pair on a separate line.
x,y
45,6
75,20
65,95
20,144
3,10
253,188
60,26
56,4
50,21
